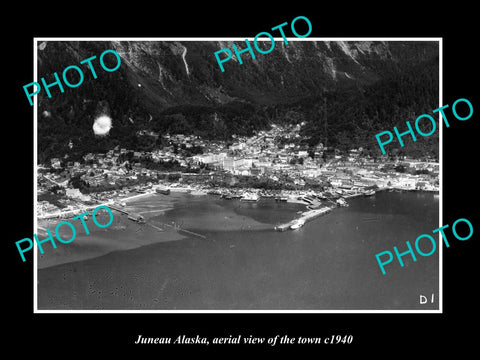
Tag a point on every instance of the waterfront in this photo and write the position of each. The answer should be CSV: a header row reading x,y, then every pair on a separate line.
x,y
243,263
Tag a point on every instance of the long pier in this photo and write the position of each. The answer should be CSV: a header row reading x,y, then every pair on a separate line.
x,y
306,216
132,216
119,209
139,218
186,231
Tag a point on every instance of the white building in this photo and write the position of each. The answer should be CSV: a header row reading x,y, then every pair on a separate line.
x,y
76,194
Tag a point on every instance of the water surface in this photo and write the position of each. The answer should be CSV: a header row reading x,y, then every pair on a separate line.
x,y
328,264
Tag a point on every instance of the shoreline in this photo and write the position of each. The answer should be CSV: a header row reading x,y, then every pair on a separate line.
x,y
125,234
292,197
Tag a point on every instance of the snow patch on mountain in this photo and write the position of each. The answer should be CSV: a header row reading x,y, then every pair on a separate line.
x,y
285,53
343,45
329,68
184,60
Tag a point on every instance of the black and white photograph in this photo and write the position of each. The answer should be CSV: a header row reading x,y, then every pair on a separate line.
x,y
259,187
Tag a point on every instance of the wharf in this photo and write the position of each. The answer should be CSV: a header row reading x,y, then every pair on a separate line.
x,y
306,216
132,216
350,196
141,220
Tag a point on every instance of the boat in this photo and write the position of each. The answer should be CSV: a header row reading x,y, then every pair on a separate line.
x,y
137,217
297,224
352,195
163,190
314,206
230,196
281,227
306,199
369,193
330,195
342,202
250,197
321,196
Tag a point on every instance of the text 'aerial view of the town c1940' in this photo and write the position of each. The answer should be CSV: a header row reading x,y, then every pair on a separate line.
x,y
259,188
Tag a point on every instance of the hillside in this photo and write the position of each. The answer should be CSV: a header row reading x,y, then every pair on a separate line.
x,y
344,91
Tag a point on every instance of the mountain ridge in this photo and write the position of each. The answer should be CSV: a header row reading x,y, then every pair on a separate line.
x,y
157,78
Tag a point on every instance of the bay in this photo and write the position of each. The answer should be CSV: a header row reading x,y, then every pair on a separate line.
x,y
243,264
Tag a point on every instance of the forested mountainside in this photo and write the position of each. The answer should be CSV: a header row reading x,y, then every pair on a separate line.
x,y
345,92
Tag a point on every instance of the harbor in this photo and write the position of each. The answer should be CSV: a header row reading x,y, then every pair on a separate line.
x,y
317,203
129,264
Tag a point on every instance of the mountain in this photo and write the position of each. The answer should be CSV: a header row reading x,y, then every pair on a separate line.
x,y
177,86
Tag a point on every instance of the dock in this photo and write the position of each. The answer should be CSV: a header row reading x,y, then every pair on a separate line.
x,y
306,216
140,219
132,216
178,228
350,196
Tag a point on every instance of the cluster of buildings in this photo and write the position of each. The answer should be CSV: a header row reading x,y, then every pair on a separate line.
x,y
267,152
276,154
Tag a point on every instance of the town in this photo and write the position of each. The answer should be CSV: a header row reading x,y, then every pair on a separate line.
x,y
272,163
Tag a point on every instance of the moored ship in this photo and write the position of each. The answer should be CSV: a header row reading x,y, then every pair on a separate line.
x,y
250,197
342,202
162,190
297,224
